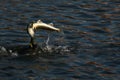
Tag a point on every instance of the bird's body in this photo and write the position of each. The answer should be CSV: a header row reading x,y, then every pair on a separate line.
x,y
39,25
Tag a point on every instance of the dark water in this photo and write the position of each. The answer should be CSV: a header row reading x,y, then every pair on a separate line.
x,y
88,48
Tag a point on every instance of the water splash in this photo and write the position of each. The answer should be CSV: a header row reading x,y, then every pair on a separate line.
x,y
3,50
49,47
62,32
47,41
13,54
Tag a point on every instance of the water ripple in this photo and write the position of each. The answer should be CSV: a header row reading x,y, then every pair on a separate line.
x,y
87,48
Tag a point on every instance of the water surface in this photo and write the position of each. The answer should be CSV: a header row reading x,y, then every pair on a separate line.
x,y
87,49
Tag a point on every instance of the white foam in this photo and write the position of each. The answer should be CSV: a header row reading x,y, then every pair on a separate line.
x,y
3,49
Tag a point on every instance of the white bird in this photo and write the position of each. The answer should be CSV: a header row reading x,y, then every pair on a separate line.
x,y
39,25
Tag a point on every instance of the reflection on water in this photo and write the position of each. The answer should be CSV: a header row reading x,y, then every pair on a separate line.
x,y
88,48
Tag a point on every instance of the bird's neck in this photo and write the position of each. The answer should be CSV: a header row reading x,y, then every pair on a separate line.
x,y
32,43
